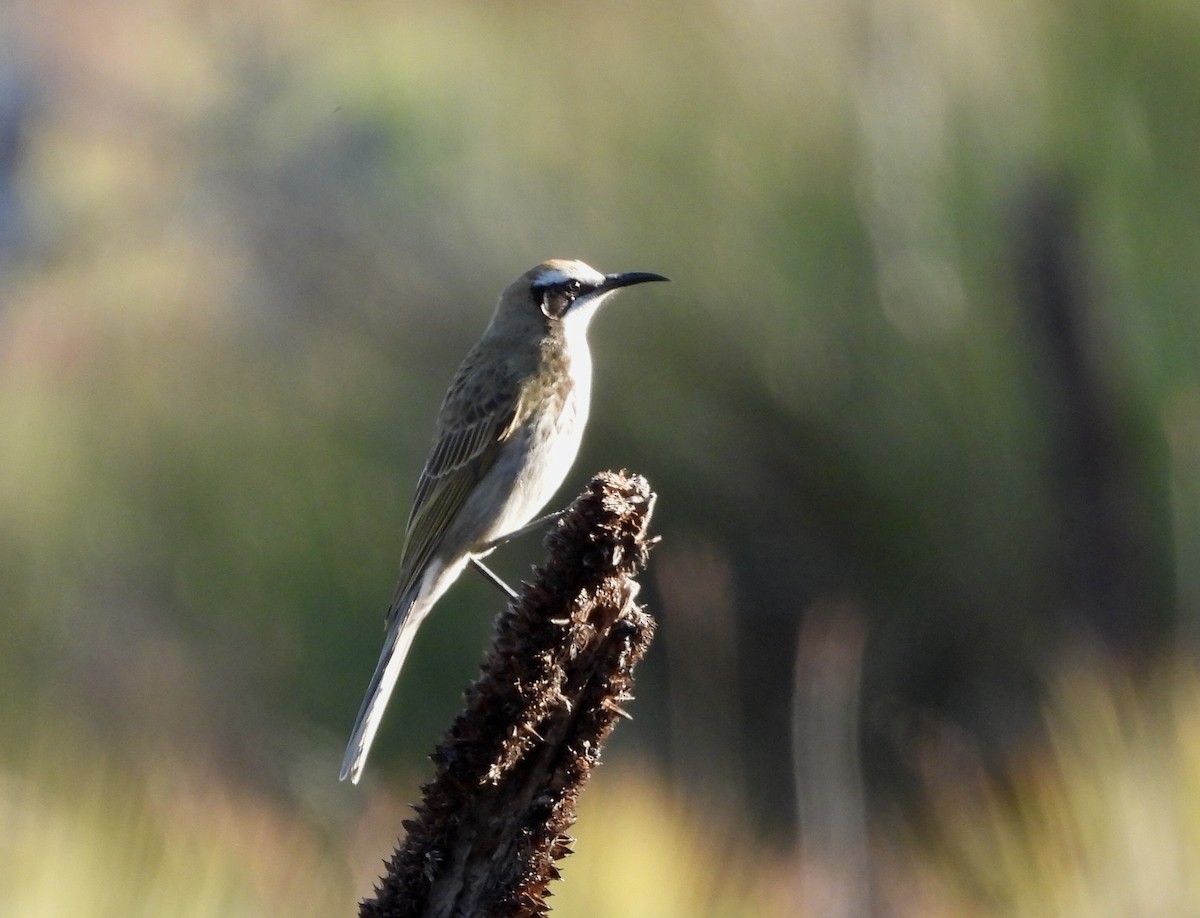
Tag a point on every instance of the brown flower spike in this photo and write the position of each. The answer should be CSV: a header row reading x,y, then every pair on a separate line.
x,y
508,774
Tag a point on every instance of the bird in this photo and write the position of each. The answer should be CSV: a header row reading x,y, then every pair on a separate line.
x,y
506,436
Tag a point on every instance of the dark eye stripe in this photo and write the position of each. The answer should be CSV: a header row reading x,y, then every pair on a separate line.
x,y
572,287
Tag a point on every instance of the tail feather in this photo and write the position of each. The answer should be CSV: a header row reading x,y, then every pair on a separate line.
x,y
395,648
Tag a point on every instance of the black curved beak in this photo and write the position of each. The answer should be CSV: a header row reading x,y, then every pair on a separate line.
x,y
628,279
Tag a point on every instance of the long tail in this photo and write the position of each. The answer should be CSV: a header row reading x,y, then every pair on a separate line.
x,y
410,613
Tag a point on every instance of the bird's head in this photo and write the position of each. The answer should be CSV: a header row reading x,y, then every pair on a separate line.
x,y
565,292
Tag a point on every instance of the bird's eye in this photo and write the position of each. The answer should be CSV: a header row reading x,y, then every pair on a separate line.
x,y
557,298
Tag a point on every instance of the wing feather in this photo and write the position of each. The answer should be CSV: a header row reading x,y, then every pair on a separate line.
x,y
471,431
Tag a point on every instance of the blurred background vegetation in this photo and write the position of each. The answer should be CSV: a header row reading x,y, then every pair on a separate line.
x,y
922,406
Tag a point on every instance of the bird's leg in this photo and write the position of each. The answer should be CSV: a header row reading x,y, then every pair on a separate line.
x,y
491,546
494,578
540,523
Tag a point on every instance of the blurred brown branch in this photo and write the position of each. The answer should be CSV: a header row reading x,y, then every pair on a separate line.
x,y
1107,472
509,772
830,801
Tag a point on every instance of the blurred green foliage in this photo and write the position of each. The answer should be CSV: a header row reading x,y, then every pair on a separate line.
x,y
242,248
